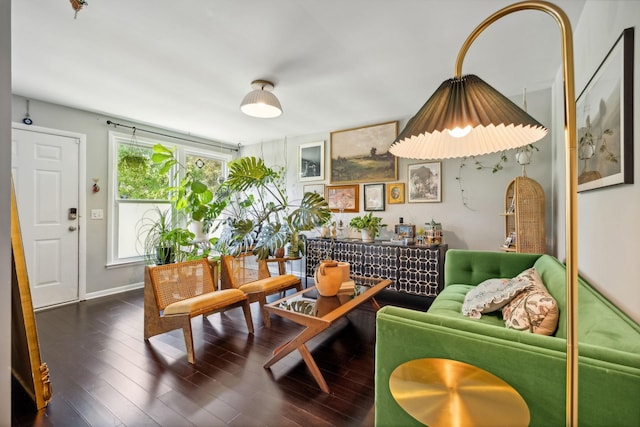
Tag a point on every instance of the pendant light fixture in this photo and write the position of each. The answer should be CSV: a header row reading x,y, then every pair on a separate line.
x,y
261,102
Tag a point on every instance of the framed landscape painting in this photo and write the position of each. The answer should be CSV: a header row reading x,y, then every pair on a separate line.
x,y
425,182
362,154
342,198
311,161
604,116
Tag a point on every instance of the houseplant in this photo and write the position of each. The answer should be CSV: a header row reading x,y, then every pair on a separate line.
x,y
259,213
163,242
368,225
252,206
191,196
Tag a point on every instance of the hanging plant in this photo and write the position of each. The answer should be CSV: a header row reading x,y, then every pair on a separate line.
x,y
132,156
135,160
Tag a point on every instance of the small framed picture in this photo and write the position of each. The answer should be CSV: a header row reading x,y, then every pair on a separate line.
x,y
314,188
311,161
343,198
395,193
425,183
510,240
374,197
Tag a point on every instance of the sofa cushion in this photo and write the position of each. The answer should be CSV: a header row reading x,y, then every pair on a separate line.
x,y
493,294
449,304
533,310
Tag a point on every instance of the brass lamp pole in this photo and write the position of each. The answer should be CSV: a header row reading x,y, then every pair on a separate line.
x,y
466,116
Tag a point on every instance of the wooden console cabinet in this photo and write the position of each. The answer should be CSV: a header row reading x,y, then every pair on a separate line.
x,y
417,270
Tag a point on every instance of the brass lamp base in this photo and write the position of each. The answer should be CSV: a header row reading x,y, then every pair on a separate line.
x,y
443,392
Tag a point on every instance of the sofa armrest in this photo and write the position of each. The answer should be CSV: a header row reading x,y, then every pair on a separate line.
x,y
533,365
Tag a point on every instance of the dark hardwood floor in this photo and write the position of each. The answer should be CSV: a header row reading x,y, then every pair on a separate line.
x,y
103,373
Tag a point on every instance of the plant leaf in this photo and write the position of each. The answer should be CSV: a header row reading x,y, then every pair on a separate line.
x,y
313,211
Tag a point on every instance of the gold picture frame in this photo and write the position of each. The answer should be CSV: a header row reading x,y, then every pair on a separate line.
x,y
343,198
27,366
362,154
395,193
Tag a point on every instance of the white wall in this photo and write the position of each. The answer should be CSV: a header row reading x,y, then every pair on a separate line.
x,y
101,279
5,213
611,266
478,226
607,218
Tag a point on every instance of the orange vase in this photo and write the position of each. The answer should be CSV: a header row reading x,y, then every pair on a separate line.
x,y
329,276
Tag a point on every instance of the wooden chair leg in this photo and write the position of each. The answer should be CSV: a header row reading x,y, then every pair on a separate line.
x,y
188,342
246,308
266,318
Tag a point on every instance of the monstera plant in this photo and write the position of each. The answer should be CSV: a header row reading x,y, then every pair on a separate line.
x,y
259,214
251,206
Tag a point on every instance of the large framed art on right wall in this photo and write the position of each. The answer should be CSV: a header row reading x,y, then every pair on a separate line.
x,y
604,117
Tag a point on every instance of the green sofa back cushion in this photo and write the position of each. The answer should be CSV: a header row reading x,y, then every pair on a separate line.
x,y
599,321
474,267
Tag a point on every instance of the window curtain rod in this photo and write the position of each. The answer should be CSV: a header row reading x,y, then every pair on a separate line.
x,y
109,122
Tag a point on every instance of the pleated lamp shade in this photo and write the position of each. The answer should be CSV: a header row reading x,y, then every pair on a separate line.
x,y
260,102
484,120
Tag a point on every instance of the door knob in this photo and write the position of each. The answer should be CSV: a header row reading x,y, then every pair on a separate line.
x,y
72,228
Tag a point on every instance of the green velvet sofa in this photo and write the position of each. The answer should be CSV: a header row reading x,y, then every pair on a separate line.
x,y
608,345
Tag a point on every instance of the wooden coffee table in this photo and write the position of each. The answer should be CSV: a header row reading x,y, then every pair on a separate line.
x,y
317,313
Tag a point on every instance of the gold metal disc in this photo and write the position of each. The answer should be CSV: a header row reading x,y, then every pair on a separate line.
x,y
443,392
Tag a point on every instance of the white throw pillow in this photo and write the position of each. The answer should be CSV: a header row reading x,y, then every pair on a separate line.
x,y
493,294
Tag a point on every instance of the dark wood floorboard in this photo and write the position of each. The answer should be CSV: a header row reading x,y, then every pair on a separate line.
x,y
104,374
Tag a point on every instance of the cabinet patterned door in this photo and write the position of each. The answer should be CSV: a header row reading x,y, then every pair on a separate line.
x,y
350,252
420,270
380,262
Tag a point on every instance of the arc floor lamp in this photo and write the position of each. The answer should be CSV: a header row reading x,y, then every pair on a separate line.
x,y
466,116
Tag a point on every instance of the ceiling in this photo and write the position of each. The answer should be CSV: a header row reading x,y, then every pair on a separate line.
x,y
336,64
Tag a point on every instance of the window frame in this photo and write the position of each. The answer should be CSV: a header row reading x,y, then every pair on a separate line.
x,y
181,151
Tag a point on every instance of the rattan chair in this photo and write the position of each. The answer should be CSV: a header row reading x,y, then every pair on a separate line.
x,y
175,293
253,277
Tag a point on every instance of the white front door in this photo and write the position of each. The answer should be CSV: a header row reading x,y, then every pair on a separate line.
x,y
45,174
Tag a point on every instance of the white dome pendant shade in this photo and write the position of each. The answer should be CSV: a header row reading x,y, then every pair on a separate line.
x,y
260,102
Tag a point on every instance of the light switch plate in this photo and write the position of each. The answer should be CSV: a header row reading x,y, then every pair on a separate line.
x,y
97,214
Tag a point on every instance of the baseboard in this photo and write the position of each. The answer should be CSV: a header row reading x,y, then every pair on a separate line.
x,y
113,291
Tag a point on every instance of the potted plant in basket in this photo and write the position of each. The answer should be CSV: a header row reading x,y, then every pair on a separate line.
x,y
368,225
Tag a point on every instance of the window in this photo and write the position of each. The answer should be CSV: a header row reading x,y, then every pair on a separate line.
x,y
136,189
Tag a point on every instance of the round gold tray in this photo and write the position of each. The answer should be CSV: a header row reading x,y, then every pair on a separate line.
x,y
443,392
